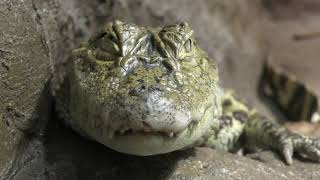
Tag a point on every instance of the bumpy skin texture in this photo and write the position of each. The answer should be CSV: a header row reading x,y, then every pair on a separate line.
x,y
146,91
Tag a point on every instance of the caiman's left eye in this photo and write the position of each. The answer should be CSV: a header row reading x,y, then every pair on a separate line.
x,y
107,44
188,45
105,48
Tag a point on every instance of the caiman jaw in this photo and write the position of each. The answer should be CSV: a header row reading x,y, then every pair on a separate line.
x,y
144,143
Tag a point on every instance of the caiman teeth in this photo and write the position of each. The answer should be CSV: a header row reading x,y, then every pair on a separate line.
x,y
170,134
146,127
122,131
110,134
125,131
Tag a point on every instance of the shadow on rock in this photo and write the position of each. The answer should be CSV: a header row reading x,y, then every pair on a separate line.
x,y
70,156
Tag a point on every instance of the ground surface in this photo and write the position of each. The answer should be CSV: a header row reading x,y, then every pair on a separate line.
x,y
238,34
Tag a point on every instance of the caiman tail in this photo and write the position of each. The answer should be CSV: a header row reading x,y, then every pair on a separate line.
x,y
294,99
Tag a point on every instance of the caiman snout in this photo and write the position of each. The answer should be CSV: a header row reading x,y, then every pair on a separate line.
x,y
150,112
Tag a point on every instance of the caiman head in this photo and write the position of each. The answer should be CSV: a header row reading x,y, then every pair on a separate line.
x,y
141,90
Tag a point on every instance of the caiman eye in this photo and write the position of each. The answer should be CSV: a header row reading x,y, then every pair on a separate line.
x,y
188,45
107,44
105,48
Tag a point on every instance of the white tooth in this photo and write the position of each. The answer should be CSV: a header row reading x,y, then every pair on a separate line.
x,y
170,134
123,130
110,134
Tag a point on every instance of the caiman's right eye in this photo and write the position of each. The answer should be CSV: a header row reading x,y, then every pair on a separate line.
x,y
108,44
105,48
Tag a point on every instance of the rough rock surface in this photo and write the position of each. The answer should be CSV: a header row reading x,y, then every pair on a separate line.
x,y
23,76
38,35
33,35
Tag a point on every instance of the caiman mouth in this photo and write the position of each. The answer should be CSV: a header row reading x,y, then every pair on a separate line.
x,y
149,131
145,142
130,131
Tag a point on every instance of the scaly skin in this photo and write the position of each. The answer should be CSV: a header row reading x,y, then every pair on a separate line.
x,y
295,99
146,91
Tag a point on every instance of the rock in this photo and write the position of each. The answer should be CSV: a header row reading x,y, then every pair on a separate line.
x,y
35,41
24,72
32,34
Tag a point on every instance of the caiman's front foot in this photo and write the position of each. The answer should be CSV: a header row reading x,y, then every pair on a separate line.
x,y
262,132
290,143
